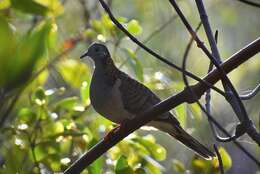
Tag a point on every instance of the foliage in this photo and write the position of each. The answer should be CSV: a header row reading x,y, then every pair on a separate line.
x,y
46,119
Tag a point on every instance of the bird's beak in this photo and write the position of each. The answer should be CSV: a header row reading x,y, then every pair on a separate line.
x,y
84,55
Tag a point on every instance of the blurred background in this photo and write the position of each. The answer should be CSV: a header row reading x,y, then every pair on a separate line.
x,y
46,119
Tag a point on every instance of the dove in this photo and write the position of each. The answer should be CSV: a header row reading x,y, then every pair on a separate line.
x,y
118,97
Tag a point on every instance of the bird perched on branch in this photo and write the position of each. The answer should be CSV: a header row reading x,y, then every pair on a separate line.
x,y
119,98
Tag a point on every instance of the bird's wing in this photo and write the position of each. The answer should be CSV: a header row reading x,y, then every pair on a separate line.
x,y
137,98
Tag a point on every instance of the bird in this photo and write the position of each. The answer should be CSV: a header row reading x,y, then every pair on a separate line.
x,y
118,97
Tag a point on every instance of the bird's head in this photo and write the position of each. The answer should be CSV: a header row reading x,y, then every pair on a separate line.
x,y
98,52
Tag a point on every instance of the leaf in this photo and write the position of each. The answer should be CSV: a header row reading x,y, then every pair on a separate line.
x,y
196,111
4,4
74,72
122,166
53,128
181,114
97,166
55,7
30,49
84,93
178,166
156,151
135,64
39,97
30,6
140,171
134,27
8,45
226,159
67,103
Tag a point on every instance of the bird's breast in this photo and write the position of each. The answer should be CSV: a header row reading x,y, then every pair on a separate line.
x,y
107,100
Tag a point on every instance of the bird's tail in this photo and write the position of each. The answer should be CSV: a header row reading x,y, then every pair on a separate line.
x,y
180,134
192,143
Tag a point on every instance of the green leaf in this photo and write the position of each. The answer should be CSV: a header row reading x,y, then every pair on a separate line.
x,y
26,115
24,58
226,159
140,171
135,64
30,6
8,45
67,103
55,7
84,93
4,4
156,150
181,114
196,111
134,27
53,128
178,166
74,72
122,166
97,166
39,97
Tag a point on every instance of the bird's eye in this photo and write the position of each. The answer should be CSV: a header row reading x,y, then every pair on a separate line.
x,y
96,49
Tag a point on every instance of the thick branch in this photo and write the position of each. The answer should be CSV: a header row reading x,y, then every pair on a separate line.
x,y
184,96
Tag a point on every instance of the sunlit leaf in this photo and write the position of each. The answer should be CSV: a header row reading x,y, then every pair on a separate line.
x,y
226,159
181,114
122,166
4,4
53,128
67,103
97,166
196,111
30,6
54,6
84,92
134,27
157,151
74,72
30,49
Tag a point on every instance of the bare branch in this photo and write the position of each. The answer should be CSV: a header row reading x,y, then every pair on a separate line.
x,y
254,4
251,94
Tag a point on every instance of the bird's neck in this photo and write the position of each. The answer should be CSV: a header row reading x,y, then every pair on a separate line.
x,y
108,69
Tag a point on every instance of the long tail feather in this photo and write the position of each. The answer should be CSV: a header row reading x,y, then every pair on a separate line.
x,y
193,144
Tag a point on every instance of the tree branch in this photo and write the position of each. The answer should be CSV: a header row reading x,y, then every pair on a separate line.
x,y
254,4
184,96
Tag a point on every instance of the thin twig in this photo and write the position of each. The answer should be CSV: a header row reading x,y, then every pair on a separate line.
x,y
220,163
173,101
254,4
251,94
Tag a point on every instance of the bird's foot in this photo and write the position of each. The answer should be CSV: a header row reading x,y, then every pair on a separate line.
x,y
110,134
